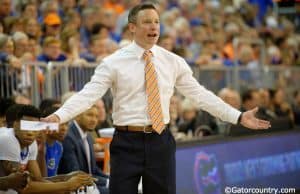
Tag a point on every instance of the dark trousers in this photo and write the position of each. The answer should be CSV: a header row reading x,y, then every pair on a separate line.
x,y
147,155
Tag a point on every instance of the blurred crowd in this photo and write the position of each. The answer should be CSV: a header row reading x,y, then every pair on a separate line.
x,y
204,32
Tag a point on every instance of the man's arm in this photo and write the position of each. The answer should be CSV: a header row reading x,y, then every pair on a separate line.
x,y
14,181
189,87
92,91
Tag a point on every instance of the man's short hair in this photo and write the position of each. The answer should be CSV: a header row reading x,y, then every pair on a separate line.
x,y
50,40
18,111
135,10
5,103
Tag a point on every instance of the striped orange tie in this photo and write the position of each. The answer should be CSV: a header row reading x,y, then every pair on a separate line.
x,y
154,105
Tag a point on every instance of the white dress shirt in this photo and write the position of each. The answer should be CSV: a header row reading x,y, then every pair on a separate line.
x,y
123,72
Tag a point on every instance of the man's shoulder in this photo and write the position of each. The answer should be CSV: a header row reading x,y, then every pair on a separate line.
x,y
121,54
166,53
8,138
9,147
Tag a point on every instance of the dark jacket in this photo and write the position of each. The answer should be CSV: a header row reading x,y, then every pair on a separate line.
x,y
74,157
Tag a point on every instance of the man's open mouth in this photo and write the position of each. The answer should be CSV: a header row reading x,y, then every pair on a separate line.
x,y
152,35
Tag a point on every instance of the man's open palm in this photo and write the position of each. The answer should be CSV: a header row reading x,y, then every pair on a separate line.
x,y
250,121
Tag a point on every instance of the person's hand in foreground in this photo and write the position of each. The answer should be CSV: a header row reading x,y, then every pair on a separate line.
x,y
250,121
53,118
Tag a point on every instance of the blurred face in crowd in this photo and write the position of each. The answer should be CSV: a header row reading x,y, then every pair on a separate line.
x,y
53,30
167,43
25,137
108,18
89,119
90,20
30,11
21,47
146,29
68,4
9,47
99,47
279,97
32,46
61,134
264,98
32,27
5,7
53,50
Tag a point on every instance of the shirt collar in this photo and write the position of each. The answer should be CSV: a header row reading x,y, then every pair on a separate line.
x,y
83,134
139,51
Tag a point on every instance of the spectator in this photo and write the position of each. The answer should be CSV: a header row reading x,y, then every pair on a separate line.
x,y
122,19
98,49
88,21
231,97
47,103
166,41
279,104
51,51
47,7
54,148
79,155
29,9
72,20
7,52
21,44
5,103
5,9
70,40
250,100
32,29
52,25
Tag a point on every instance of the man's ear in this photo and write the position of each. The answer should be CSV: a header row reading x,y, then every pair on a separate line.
x,y
132,27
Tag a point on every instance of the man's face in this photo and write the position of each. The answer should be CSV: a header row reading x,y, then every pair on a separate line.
x,y
53,30
52,50
88,120
5,7
62,132
25,138
21,47
146,29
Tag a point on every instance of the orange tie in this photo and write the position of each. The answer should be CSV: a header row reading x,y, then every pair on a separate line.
x,y
152,91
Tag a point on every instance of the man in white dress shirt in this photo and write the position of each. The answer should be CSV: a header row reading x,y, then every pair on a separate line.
x,y
142,145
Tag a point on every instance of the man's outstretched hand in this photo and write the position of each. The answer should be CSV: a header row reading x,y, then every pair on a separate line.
x,y
53,118
250,121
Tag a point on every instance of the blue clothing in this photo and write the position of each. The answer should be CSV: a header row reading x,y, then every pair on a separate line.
x,y
53,156
89,57
45,58
3,57
262,7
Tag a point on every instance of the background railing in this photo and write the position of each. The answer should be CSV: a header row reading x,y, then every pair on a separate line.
x,y
52,80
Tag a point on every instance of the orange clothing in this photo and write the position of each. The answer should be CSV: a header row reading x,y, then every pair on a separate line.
x,y
118,8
